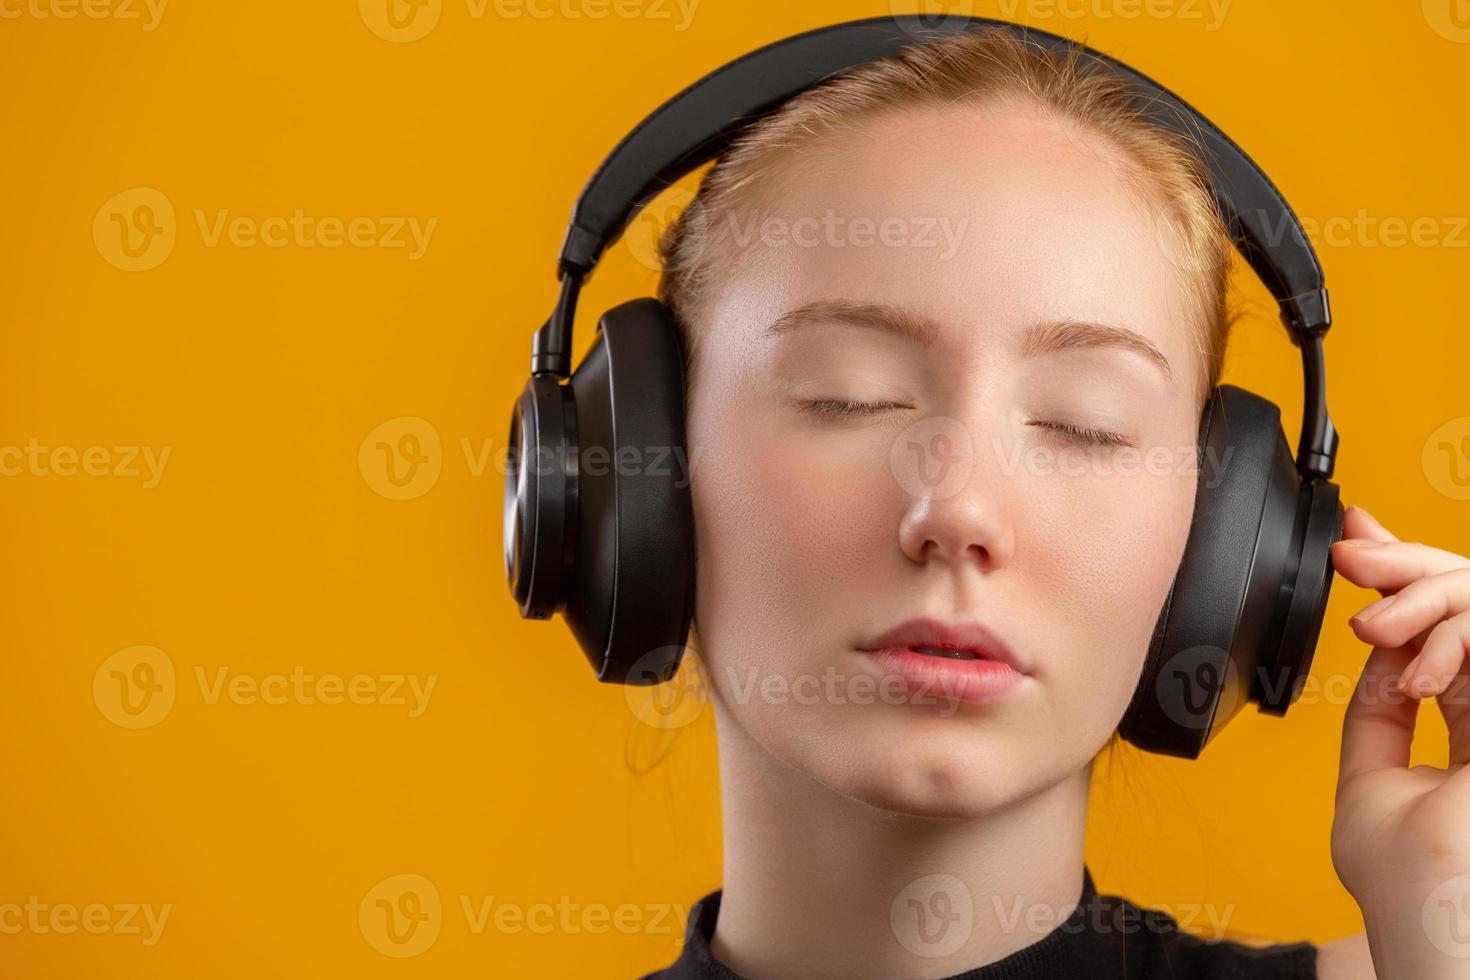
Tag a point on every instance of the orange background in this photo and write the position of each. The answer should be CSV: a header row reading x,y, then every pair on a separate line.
x,y
270,543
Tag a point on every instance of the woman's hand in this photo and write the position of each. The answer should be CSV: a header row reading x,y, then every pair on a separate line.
x,y
1400,835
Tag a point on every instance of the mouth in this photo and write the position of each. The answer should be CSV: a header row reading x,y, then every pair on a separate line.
x,y
942,640
948,653
933,660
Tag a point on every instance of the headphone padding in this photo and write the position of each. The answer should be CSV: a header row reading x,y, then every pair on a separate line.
x,y
1216,621
632,595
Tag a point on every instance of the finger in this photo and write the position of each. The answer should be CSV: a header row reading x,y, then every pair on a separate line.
x,y
1358,523
1391,565
1454,700
1439,661
1417,607
1378,726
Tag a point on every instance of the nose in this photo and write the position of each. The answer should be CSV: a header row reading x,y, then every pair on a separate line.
x,y
965,527
961,519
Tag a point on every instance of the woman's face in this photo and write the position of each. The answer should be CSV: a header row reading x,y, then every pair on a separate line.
x,y
971,272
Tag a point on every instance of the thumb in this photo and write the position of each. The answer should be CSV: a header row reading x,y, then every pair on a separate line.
x,y
1378,727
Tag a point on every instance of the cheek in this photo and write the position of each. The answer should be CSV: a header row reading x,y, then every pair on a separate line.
x,y
827,494
790,526
786,514
1107,551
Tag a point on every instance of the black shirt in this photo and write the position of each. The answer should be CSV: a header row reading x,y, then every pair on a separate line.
x,y
1104,938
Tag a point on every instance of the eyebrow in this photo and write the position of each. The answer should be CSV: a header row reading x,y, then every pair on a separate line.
x,y
1064,335
874,316
1041,338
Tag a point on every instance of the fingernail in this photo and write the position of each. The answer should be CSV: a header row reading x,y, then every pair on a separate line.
x,y
1373,610
1361,543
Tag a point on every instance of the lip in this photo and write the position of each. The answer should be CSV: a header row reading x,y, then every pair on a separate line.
x,y
995,671
975,637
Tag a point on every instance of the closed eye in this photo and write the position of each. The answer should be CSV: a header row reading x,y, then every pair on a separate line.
x,y
1084,434
837,408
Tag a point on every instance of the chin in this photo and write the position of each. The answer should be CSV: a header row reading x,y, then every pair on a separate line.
x,y
954,774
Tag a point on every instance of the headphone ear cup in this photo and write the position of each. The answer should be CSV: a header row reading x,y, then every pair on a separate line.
x,y
1282,679
1237,624
540,496
630,596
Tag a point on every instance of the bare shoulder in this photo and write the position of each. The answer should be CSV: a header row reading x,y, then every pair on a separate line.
x,y
1345,959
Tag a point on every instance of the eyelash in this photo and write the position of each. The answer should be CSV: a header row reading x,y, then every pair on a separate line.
x,y
836,408
1095,437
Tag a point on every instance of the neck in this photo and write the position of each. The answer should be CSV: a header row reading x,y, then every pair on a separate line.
x,y
813,879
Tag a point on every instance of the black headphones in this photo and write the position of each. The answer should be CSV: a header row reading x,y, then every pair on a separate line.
x,y
611,546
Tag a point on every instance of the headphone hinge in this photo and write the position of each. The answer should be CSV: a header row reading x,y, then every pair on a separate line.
x,y
551,347
1306,315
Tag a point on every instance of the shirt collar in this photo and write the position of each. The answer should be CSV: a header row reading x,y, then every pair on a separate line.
x,y
1058,950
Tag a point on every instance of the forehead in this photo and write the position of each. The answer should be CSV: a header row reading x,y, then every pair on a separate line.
x,y
984,218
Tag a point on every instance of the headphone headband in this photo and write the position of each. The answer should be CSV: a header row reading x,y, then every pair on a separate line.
x,y
697,124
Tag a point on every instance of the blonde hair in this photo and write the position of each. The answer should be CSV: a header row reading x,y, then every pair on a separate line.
x,y
996,65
